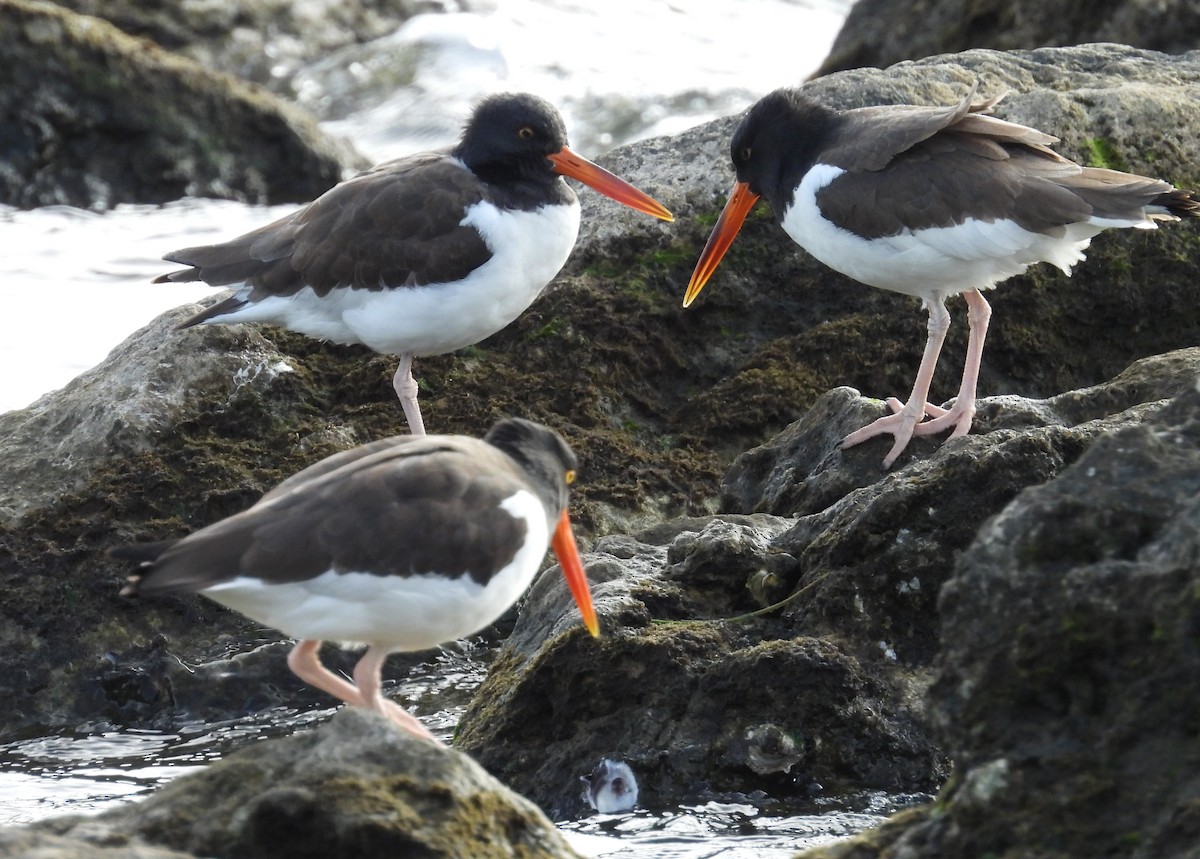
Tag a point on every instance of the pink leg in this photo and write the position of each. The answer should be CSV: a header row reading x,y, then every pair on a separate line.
x,y
406,390
367,679
364,692
960,415
307,666
902,424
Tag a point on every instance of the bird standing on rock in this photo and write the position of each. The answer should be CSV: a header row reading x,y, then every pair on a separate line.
x,y
401,544
422,255
929,202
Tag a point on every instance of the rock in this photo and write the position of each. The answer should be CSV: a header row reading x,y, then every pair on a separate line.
x,y
882,32
26,843
828,687
827,683
94,118
264,41
1066,691
354,787
697,702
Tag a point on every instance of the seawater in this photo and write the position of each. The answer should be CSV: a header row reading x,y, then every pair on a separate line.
x,y
88,772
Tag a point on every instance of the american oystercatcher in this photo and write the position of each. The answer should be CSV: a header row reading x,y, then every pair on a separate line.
x,y
930,202
422,255
401,544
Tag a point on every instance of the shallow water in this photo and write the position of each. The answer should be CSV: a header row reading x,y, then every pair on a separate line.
x,y
47,776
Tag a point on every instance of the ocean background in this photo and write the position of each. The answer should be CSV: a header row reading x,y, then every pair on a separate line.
x,y
74,283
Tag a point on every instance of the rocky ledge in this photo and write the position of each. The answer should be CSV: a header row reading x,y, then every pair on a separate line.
x,y
94,117
1009,618
355,787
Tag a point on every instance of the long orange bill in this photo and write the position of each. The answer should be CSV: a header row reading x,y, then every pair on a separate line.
x,y
741,201
564,547
568,163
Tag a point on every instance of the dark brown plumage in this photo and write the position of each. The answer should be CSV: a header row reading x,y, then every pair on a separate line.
x,y
927,201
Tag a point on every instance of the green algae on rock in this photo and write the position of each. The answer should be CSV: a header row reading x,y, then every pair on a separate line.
x,y
355,787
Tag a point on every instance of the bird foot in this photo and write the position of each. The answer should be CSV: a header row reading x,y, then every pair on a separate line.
x,y
959,416
904,423
406,721
900,425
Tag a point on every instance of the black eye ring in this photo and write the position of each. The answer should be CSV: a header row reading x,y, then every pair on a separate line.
x,y
744,153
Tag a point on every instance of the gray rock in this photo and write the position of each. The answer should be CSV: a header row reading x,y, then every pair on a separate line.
x,y
828,687
355,787
1067,692
882,32
94,117
31,844
264,41
832,671
126,404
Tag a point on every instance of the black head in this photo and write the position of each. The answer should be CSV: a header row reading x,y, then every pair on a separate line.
x,y
541,452
777,141
511,134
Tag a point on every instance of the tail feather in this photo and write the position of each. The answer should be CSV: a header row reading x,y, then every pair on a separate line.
x,y
144,554
1178,203
228,305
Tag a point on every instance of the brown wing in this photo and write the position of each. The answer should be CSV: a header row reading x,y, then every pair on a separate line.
x,y
935,183
870,138
397,224
431,506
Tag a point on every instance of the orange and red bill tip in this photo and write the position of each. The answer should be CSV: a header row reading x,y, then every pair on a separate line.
x,y
741,201
565,549
594,176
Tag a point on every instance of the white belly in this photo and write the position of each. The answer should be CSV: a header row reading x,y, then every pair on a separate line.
x,y
938,260
397,612
528,250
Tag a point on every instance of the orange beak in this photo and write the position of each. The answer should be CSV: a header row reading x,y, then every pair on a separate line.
x,y
564,547
594,176
741,201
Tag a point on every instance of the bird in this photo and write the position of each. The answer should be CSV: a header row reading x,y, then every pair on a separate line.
x,y
929,202
611,787
401,544
421,255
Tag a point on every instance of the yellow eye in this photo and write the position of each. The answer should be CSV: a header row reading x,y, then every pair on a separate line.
x,y
525,132
569,476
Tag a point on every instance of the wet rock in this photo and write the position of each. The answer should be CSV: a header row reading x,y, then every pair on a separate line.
x,y
357,786
1066,691
264,41
94,117
827,688
699,687
699,696
30,843
882,32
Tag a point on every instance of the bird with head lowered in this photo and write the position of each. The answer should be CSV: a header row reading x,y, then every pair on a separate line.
x,y
930,202
401,544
